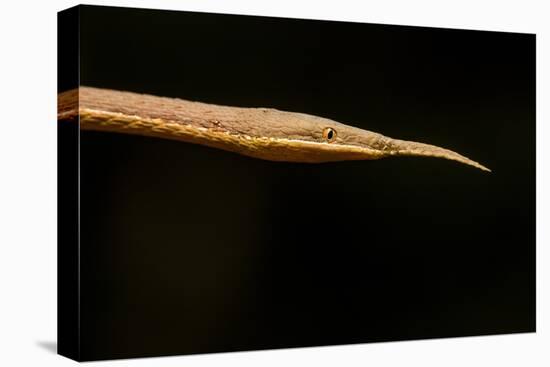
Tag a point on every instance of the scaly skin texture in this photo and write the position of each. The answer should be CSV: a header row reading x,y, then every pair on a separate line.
x,y
263,133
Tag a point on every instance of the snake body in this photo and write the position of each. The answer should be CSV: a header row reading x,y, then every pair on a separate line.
x,y
263,133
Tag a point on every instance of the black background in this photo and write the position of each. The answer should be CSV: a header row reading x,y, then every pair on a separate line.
x,y
187,249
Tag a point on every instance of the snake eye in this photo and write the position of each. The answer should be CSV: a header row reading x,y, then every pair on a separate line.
x,y
329,134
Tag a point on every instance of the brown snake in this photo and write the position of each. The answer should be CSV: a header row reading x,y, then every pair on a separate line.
x,y
256,132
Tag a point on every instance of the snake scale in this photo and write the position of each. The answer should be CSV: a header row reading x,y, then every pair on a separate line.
x,y
263,133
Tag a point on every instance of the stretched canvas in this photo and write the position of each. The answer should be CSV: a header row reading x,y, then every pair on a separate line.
x,y
231,183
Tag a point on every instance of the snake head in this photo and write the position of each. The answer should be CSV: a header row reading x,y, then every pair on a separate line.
x,y
306,138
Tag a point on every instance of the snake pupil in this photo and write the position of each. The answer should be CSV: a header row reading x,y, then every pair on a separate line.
x,y
329,134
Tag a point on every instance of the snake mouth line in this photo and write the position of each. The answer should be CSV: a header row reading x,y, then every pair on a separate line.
x,y
268,148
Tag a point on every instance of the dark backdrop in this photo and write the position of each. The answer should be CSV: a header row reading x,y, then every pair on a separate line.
x,y
187,249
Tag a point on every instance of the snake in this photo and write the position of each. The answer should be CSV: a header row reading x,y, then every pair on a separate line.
x,y
264,133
